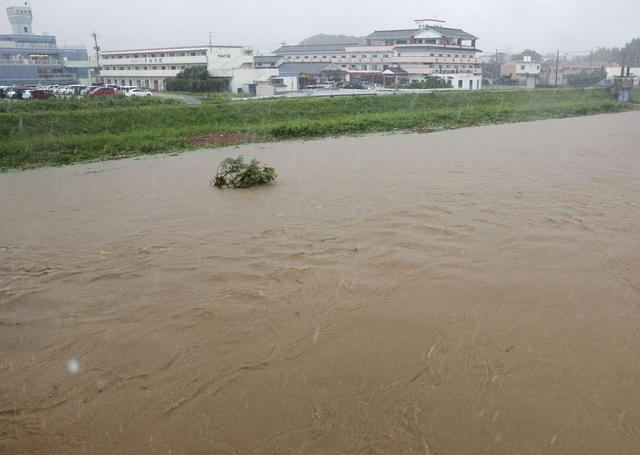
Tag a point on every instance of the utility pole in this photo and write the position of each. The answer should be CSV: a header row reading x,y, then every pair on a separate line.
x,y
557,66
97,49
622,69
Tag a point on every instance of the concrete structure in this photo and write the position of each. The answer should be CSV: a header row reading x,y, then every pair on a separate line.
x,y
614,71
429,50
566,69
525,71
268,61
310,74
151,67
263,82
26,58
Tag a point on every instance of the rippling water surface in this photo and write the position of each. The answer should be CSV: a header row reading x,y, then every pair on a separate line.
x,y
473,291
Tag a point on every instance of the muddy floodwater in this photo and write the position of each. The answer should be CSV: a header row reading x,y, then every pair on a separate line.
x,y
466,292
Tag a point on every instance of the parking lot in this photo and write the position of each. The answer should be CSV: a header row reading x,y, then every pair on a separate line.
x,y
43,92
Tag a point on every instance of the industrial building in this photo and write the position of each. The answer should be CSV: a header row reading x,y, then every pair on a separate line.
x,y
428,50
151,67
26,58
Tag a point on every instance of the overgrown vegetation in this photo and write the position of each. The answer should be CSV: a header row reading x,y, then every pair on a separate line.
x,y
195,79
430,82
235,173
63,133
587,78
84,104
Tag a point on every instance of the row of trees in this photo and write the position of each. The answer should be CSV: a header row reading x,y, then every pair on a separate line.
x,y
587,78
196,79
630,53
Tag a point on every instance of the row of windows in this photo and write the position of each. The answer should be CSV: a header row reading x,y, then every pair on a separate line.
x,y
164,54
334,57
434,65
137,83
145,68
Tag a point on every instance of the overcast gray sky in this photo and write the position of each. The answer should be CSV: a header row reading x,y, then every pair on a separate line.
x,y
544,25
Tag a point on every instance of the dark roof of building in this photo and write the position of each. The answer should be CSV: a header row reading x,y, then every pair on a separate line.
x,y
393,34
448,49
396,70
307,68
309,48
453,33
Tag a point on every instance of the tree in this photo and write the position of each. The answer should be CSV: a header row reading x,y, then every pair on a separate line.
x,y
630,53
528,53
587,78
195,79
194,72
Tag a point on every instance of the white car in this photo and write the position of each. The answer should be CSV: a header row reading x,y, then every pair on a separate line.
x,y
72,90
138,92
26,95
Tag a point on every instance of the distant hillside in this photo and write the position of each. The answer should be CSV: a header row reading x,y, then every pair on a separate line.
x,y
333,39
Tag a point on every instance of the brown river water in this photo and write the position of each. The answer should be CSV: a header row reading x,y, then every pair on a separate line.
x,y
466,292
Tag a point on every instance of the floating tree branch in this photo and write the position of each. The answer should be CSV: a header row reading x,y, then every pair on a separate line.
x,y
235,173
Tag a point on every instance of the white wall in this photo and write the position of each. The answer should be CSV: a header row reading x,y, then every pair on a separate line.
x,y
223,61
527,68
468,81
613,71
241,77
291,83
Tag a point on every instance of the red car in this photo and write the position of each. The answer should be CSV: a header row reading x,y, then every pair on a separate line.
x,y
41,94
103,91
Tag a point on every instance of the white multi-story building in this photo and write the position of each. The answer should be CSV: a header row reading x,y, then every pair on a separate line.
x,y
430,50
151,67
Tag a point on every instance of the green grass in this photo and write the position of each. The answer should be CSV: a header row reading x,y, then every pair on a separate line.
x,y
77,104
86,130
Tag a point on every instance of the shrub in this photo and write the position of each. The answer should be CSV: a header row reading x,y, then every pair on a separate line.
x,y
196,79
235,173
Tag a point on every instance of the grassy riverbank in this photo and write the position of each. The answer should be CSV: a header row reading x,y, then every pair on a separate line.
x,y
41,133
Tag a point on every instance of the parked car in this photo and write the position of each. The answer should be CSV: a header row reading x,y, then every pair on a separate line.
x,y
72,90
40,94
103,91
2,93
26,95
89,89
15,93
353,86
138,92
125,88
